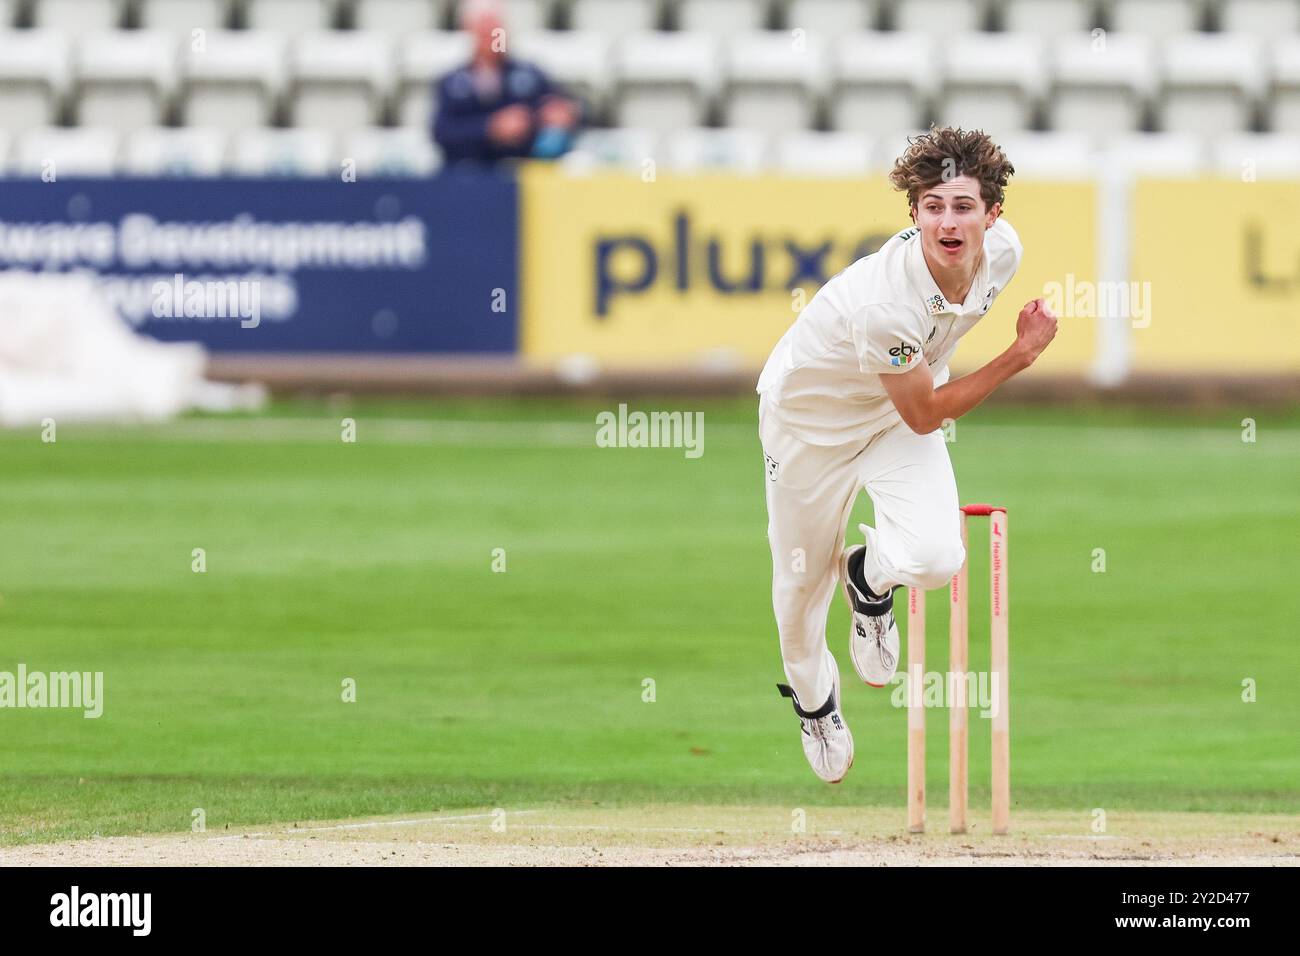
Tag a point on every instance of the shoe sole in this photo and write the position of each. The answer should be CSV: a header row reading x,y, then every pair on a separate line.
x,y
848,599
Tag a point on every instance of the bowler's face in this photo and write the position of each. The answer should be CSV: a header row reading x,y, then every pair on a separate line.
x,y
952,218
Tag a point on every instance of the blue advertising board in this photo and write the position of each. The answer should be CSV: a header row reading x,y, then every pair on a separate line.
x,y
275,265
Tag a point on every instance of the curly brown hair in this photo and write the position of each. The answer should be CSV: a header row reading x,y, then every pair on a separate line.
x,y
944,154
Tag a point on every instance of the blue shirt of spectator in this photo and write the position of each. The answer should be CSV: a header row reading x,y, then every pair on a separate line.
x,y
470,125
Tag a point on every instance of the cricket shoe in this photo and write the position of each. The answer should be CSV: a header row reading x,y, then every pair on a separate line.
x,y
873,634
827,743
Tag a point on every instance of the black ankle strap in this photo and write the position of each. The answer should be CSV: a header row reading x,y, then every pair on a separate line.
x,y
824,711
873,606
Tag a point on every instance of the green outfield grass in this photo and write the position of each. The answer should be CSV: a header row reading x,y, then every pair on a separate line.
x,y
374,561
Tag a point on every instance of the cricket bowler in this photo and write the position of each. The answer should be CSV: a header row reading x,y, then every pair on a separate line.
x,y
854,396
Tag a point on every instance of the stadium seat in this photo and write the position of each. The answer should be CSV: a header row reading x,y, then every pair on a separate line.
x,y
174,152
184,15
627,148
392,152
738,151
578,61
664,80
125,79
832,18
774,83
289,16
1048,17
1050,155
398,16
1284,102
1101,85
1252,156
1266,18
939,17
1154,17
1156,154
285,152
527,16
84,151
721,16
341,80
1210,84
234,82
421,60
882,82
409,16
614,17
992,82
78,16
34,70
809,153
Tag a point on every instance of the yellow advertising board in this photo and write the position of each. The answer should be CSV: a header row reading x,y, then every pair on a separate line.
x,y
1220,260
684,268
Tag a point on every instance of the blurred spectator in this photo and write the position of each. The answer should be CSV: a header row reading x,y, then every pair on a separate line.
x,y
497,107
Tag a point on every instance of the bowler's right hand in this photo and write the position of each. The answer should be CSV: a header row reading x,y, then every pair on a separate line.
x,y
1035,328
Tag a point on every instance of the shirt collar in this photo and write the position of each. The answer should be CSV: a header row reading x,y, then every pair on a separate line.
x,y
932,300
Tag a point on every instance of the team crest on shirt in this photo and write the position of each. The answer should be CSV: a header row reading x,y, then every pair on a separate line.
x,y
988,299
903,354
936,303
930,338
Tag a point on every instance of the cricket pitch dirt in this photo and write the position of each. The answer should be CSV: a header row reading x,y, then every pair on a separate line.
x,y
665,835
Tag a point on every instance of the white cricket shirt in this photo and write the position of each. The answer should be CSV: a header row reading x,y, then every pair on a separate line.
x,y
878,316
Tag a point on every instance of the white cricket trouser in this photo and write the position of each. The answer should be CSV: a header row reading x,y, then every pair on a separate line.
x,y
810,492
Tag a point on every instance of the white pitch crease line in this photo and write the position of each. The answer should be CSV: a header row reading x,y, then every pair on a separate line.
x,y
1079,836
611,827
721,831
372,824
459,821
630,829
